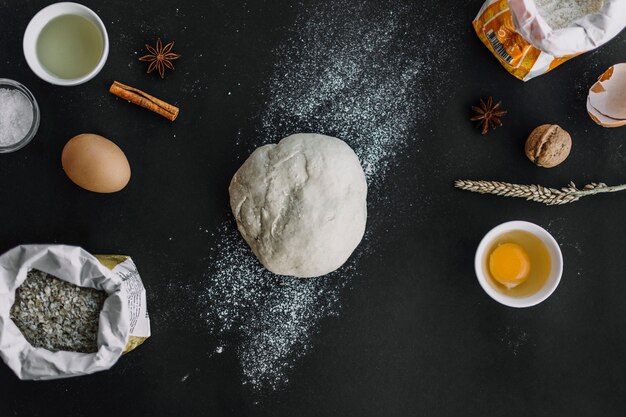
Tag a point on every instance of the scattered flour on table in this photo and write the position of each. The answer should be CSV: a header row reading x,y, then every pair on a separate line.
x,y
271,317
560,14
514,338
350,69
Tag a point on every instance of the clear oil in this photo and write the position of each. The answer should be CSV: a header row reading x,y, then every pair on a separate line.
x,y
540,263
70,46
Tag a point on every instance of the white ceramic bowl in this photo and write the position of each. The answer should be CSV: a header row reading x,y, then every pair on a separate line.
x,y
554,251
40,20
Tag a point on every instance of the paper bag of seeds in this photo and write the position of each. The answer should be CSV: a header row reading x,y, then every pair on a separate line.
x,y
532,37
65,312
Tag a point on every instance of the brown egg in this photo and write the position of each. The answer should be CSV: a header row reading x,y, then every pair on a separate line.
x,y
95,163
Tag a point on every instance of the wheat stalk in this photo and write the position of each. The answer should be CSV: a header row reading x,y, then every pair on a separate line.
x,y
538,193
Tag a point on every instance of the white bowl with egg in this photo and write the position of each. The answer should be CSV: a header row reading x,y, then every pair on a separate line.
x,y
502,294
79,49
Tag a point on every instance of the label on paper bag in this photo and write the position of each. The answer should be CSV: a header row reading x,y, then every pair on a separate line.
x,y
125,268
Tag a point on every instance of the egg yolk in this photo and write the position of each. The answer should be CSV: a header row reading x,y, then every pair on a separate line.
x,y
509,264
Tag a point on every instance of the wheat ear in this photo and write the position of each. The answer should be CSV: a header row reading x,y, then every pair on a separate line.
x,y
538,193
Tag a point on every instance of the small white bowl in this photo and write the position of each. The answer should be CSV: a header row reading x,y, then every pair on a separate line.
x,y
555,256
40,20
14,85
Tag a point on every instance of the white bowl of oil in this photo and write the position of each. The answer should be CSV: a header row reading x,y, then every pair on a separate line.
x,y
66,44
526,268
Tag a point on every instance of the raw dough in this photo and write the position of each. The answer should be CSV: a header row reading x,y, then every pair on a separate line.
x,y
301,204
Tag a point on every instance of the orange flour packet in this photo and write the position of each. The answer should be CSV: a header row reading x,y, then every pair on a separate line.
x,y
527,46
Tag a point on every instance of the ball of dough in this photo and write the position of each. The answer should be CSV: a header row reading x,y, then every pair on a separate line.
x,y
548,145
301,204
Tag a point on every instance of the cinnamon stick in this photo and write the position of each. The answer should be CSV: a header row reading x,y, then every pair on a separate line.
x,y
144,100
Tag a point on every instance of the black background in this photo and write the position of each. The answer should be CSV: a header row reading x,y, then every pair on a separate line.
x,y
416,334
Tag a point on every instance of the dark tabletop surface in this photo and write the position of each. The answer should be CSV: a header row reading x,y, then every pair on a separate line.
x,y
414,333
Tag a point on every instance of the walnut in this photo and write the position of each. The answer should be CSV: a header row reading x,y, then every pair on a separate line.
x,y
548,145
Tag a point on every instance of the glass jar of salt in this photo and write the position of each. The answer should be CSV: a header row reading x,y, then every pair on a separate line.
x,y
19,116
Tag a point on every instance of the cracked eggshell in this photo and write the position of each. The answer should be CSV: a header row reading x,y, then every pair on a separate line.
x,y
608,95
601,119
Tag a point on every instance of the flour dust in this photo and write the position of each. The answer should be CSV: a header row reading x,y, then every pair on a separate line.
x,y
560,14
349,69
271,317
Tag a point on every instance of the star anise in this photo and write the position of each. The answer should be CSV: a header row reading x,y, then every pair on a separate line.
x,y
488,115
160,57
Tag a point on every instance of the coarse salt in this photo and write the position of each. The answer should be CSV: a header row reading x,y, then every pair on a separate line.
x,y
16,116
560,14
